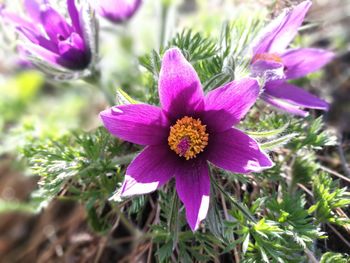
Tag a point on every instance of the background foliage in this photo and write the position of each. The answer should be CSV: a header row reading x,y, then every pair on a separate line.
x,y
51,140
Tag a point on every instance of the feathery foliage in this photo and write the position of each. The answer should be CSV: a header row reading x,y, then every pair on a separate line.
x,y
274,216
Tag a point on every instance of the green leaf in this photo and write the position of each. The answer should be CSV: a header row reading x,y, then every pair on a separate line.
x,y
328,196
331,257
194,46
267,134
122,98
270,145
165,251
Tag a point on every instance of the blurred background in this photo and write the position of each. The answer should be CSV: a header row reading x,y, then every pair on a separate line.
x,y
33,107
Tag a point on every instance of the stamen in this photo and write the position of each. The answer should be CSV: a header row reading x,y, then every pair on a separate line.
x,y
188,137
267,57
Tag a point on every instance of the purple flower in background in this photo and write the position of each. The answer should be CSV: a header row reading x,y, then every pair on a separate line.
x,y
54,43
117,11
276,63
188,130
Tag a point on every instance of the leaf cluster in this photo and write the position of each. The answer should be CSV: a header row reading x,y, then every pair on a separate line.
x,y
257,217
86,167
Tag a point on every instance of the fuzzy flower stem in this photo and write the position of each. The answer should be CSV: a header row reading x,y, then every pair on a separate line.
x,y
173,218
163,21
133,230
174,205
311,256
95,81
125,159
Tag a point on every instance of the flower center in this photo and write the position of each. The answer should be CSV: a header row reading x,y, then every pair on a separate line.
x,y
267,57
188,137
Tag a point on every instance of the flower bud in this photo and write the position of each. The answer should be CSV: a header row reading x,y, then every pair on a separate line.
x,y
117,11
63,48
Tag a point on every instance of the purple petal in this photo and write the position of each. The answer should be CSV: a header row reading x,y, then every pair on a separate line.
x,y
118,11
283,105
235,151
40,40
300,62
33,8
151,169
29,34
294,95
73,42
193,188
281,31
41,52
137,123
17,21
28,30
71,59
180,89
55,25
74,16
268,70
227,105
73,54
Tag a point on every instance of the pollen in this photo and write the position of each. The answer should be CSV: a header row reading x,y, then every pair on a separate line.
x,y
267,57
188,137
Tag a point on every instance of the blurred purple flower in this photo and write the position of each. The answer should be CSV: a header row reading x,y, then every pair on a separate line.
x,y
117,11
189,130
53,42
273,61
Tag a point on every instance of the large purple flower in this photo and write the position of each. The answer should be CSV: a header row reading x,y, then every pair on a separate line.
x,y
51,39
117,11
188,130
276,63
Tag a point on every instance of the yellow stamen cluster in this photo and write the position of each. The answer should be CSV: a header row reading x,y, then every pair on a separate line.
x,y
267,57
188,137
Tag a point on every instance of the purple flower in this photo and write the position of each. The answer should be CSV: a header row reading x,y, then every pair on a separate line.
x,y
52,42
188,130
117,11
276,63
